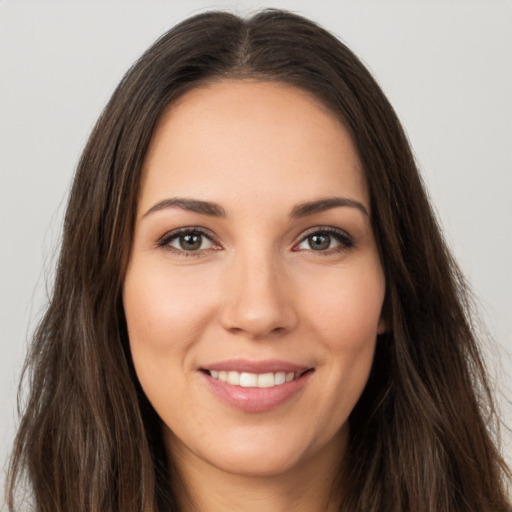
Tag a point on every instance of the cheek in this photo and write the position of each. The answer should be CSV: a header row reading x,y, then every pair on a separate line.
x,y
163,311
346,315
345,306
164,314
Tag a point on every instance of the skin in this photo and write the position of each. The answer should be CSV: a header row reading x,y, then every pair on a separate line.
x,y
254,289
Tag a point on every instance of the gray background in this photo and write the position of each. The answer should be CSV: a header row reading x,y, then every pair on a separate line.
x,y
444,64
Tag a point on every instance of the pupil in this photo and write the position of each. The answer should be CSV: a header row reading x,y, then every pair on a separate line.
x,y
319,242
190,242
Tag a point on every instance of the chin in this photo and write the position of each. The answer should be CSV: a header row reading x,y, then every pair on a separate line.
x,y
246,452
262,463
264,454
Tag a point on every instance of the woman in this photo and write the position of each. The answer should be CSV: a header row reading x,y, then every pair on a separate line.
x,y
254,308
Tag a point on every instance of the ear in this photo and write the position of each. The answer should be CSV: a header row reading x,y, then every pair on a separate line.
x,y
382,326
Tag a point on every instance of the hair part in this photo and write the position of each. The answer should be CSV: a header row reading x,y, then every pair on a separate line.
x,y
422,432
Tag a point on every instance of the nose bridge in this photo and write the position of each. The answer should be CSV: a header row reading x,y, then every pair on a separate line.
x,y
257,300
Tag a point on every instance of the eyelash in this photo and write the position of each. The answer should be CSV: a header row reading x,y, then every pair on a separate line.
x,y
166,240
346,242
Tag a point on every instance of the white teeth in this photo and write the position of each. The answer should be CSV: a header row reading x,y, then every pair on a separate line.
x,y
234,378
253,380
248,380
279,378
266,380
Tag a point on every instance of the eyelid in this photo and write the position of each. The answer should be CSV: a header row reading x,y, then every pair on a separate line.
x,y
164,241
346,241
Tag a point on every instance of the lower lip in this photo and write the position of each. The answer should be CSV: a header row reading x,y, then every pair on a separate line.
x,y
256,399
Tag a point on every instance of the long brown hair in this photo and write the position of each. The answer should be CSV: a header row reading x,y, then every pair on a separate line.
x,y
423,434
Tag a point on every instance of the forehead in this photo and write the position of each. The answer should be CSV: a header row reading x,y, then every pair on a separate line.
x,y
242,138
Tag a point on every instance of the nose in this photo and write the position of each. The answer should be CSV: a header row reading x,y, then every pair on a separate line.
x,y
257,298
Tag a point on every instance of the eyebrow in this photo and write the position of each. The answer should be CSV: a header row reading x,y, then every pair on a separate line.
x,y
311,207
215,210
193,205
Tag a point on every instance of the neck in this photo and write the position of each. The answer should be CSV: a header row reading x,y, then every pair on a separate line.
x,y
307,487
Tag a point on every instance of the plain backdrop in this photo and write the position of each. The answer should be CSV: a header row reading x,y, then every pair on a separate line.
x,y
446,66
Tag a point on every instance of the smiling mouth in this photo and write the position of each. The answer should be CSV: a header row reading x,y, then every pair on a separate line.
x,y
256,380
256,386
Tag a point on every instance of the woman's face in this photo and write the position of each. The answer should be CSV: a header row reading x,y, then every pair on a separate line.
x,y
254,289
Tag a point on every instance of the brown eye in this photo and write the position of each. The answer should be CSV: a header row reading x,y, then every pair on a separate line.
x,y
326,240
319,242
190,242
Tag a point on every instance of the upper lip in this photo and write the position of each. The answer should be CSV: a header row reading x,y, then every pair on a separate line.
x,y
253,366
